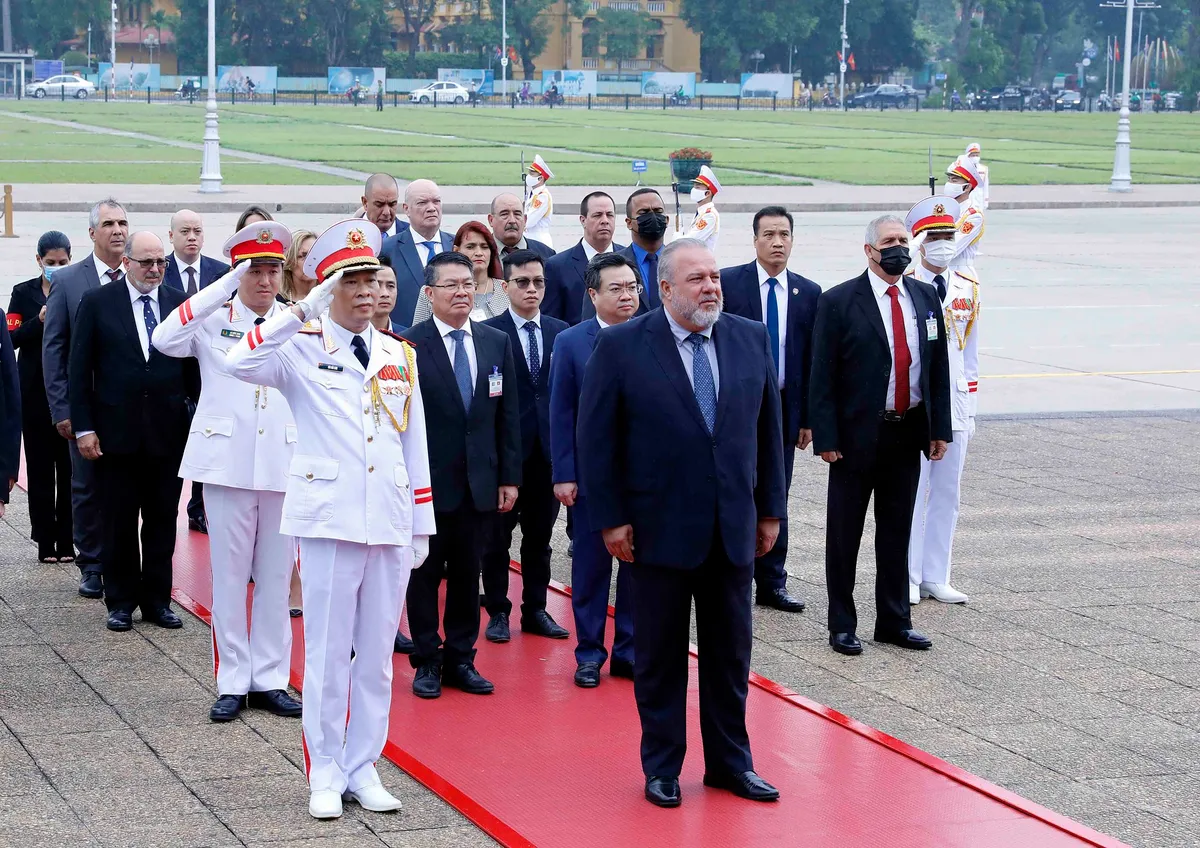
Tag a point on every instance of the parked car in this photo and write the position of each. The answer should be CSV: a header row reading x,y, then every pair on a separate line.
x,y
444,92
883,96
1173,101
990,99
1068,101
57,86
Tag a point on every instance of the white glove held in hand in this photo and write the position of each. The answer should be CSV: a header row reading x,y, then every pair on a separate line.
x,y
233,278
420,546
971,427
318,300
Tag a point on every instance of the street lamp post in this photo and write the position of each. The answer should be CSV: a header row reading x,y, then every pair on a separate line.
x,y
210,169
1122,179
846,53
504,48
112,45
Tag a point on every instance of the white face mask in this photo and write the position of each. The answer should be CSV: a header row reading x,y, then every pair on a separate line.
x,y
953,189
938,252
698,195
531,180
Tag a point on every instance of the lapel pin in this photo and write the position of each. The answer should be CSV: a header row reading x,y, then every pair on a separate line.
x,y
795,291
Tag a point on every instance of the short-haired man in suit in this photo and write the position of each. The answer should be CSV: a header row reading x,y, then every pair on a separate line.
x,y
130,407
880,397
565,288
614,289
108,229
506,219
380,197
532,336
409,250
765,290
646,218
683,472
473,421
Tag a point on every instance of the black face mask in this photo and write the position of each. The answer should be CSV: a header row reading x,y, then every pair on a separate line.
x,y
651,225
894,260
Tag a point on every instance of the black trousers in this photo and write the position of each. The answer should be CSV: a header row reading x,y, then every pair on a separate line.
x,y
48,469
893,479
770,571
456,553
536,511
195,504
662,618
138,486
87,516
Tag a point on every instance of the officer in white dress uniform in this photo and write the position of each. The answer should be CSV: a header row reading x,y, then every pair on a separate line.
x,y
539,206
358,498
981,195
936,512
962,180
706,226
240,445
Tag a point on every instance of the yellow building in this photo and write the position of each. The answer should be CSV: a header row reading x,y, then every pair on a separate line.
x,y
142,35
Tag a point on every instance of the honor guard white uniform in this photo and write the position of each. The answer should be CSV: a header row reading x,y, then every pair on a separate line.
x,y
970,220
359,500
982,195
240,445
539,206
936,513
706,226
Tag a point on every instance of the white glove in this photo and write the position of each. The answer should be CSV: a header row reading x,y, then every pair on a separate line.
x,y
420,547
318,300
971,427
233,278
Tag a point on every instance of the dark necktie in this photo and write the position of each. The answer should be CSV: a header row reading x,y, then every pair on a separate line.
x,y
360,351
430,247
117,276
535,360
900,354
652,283
149,319
702,381
462,367
773,320
940,282
191,286
259,320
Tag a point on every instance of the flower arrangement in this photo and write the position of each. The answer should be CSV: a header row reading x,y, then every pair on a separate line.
x,y
685,166
692,153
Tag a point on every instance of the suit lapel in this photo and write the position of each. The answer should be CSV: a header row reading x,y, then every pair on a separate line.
x,y
722,338
663,346
408,250
921,311
484,364
864,296
514,336
125,315
433,349
752,291
168,301
92,272
579,263
172,277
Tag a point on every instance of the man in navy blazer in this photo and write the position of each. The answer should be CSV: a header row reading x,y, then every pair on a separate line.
x,y
646,218
612,285
683,470
187,270
565,271
532,335
761,290
506,219
409,251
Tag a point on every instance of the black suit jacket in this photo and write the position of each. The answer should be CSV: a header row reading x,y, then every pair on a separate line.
x,y
401,250
26,329
472,453
741,288
646,457
851,365
210,271
135,405
10,414
62,308
534,397
566,292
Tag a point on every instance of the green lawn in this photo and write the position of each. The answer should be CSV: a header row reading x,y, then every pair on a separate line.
x,y
464,146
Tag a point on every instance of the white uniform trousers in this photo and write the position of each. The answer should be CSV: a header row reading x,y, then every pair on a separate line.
x,y
353,595
935,516
245,542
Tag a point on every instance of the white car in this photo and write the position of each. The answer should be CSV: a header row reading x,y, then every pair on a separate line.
x,y
445,92
72,85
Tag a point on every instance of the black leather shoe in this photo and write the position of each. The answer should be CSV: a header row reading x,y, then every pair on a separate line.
x,y
91,585
227,708
428,682
571,548
745,784
198,523
497,628
464,676
403,644
275,701
164,617
845,643
541,624
119,621
587,676
663,791
620,668
779,599
910,639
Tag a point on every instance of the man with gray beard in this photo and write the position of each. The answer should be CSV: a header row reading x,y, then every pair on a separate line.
x,y
684,472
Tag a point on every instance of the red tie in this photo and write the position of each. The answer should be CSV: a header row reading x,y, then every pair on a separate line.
x,y
900,354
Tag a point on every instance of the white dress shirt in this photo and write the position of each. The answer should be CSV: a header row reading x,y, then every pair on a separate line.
x,y
183,266
686,353
781,300
591,252
422,250
444,331
879,286
139,315
346,338
523,334
603,324
102,269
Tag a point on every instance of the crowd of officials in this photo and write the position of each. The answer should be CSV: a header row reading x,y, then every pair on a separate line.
x,y
367,412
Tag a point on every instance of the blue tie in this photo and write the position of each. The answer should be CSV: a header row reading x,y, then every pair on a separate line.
x,y
148,318
702,381
430,247
360,351
652,282
773,321
535,360
462,367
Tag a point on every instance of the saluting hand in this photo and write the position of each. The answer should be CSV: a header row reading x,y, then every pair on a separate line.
x,y
768,533
508,497
318,300
619,541
937,449
566,493
232,278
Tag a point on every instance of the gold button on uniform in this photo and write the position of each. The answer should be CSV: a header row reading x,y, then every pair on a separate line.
x,y
260,431
308,476
370,439
370,468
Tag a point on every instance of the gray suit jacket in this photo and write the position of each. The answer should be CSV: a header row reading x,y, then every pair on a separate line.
x,y
62,306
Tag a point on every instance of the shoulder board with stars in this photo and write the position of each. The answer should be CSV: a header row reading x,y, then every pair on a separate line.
x,y
967,277
312,328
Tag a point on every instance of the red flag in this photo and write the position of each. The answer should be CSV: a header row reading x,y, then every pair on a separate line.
x,y
851,62
1117,52
839,55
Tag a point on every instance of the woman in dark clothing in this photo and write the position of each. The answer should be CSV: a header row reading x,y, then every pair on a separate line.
x,y
47,465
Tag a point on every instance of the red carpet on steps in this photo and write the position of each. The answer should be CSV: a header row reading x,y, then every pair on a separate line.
x,y
544,763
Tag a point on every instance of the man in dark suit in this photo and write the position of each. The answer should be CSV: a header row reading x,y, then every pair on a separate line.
x,y
468,384
646,218
409,251
531,335
879,397
765,290
129,407
684,472
565,271
108,229
507,222
10,417
613,287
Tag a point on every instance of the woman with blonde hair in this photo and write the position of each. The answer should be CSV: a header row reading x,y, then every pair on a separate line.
x,y
296,285
475,241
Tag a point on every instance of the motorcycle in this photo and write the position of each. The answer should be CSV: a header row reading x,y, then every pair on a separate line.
x,y
680,100
552,98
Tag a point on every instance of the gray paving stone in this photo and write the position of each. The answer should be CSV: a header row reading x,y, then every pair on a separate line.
x,y
466,836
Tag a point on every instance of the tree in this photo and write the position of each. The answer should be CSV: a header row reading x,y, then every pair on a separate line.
x,y
416,14
528,30
624,33
191,38
45,25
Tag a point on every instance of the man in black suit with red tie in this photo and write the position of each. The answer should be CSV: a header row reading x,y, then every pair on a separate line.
x,y
880,396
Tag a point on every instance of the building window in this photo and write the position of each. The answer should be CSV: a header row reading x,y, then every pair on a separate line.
x,y
590,47
656,6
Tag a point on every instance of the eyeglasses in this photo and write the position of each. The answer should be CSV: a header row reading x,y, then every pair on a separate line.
x,y
147,264
455,287
627,288
538,283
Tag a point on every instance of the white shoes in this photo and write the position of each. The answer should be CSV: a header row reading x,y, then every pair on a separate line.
x,y
374,798
325,804
943,592
914,594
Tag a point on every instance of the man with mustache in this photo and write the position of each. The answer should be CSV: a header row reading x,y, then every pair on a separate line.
x,y
646,218
507,222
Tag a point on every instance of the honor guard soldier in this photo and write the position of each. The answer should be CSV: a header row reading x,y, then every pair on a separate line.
x,y
358,499
539,206
962,179
706,226
240,444
936,220
983,193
